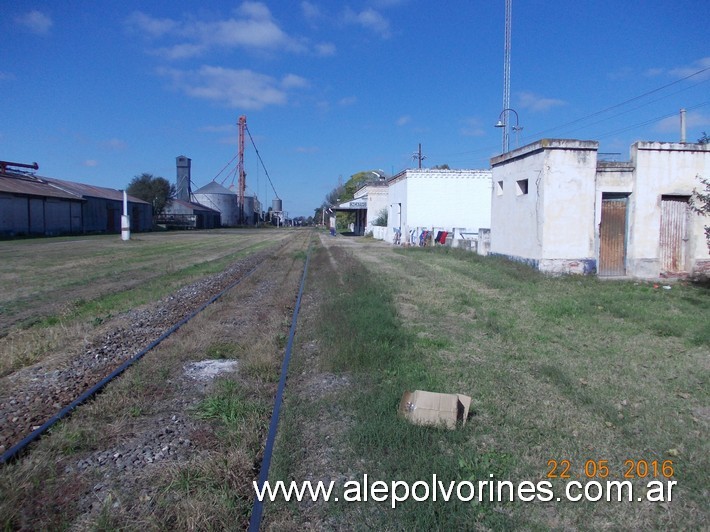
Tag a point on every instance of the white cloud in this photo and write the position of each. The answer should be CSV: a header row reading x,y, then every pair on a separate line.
x,y
695,66
225,128
180,51
369,19
347,101
229,141
325,49
535,103
692,120
292,81
234,88
7,76
91,163
36,22
310,11
252,27
307,149
651,72
472,127
256,10
404,120
114,144
684,71
388,3
151,26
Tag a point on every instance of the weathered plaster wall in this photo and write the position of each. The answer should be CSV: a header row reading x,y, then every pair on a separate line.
x,y
516,228
568,214
552,225
664,168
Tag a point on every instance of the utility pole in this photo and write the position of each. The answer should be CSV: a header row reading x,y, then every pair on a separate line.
x,y
418,155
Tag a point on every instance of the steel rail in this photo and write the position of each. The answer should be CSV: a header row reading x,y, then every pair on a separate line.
x,y
15,450
258,508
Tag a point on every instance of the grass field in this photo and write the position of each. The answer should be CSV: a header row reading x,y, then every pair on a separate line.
x,y
54,290
563,372
567,375
225,420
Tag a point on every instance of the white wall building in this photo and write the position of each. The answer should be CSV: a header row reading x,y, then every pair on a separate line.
x,y
456,201
557,207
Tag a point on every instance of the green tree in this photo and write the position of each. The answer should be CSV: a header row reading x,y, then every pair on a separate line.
x,y
381,219
156,190
700,201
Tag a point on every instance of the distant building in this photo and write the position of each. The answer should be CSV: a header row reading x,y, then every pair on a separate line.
x,y
369,198
558,207
36,205
221,199
210,206
181,214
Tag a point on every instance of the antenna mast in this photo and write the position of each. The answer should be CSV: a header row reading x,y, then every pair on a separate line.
x,y
240,168
506,71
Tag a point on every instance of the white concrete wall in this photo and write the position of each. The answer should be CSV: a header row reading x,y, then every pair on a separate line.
x,y
570,192
396,205
552,225
376,202
434,198
664,168
516,229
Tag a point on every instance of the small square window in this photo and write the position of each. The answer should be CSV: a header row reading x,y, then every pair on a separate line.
x,y
521,187
499,188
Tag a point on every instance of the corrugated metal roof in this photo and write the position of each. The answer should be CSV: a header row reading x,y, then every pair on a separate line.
x,y
33,186
92,191
193,205
213,188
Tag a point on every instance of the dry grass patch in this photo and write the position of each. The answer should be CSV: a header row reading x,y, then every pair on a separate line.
x,y
559,369
159,449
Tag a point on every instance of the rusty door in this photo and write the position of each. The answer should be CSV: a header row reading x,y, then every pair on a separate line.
x,y
674,227
612,236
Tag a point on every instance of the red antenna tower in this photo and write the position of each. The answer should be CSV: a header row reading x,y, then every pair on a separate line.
x,y
240,168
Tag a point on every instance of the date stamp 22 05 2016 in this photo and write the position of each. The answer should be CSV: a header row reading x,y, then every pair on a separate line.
x,y
595,469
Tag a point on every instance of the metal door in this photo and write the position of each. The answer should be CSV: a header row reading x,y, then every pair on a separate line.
x,y
612,236
674,227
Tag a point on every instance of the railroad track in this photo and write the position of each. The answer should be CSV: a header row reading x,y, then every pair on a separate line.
x,y
33,399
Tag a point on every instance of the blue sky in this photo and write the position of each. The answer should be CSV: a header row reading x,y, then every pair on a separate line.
x,y
99,91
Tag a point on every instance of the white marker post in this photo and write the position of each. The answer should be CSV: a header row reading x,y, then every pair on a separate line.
x,y
125,220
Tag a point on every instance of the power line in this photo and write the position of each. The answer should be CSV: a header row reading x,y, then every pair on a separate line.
x,y
539,134
223,169
262,163
651,121
640,96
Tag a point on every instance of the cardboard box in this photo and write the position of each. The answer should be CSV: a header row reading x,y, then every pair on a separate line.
x,y
431,408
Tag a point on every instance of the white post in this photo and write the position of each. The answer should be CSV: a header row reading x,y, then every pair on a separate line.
x,y
682,126
125,220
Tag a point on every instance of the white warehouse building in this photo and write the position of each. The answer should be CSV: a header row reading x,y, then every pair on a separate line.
x,y
457,202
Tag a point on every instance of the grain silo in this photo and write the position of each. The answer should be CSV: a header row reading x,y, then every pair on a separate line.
x,y
183,189
217,197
